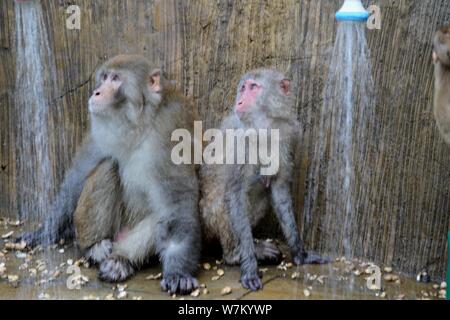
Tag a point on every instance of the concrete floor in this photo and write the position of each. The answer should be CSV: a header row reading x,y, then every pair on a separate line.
x,y
343,279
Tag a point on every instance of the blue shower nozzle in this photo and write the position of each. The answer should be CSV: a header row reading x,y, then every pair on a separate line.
x,y
352,10
352,16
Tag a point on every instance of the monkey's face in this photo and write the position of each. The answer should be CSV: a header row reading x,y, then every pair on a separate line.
x,y
262,94
247,97
108,94
441,46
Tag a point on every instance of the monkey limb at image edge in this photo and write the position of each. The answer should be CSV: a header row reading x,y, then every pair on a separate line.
x,y
441,60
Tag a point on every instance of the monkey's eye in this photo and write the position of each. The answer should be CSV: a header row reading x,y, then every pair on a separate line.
x,y
243,88
253,86
105,76
115,77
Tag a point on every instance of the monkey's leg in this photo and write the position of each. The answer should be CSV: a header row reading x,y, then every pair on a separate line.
x,y
178,233
265,251
178,246
240,223
216,225
97,216
128,253
282,203
214,219
59,223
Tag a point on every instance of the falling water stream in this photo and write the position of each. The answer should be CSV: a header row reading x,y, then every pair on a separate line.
x,y
35,76
345,138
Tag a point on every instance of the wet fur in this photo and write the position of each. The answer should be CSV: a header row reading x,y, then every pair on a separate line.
x,y
133,185
236,197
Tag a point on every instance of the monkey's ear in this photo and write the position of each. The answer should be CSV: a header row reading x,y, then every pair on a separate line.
x,y
155,80
285,85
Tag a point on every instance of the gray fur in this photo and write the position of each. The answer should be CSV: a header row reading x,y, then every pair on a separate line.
x,y
115,269
59,223
99,251
441,108
240,195
158,199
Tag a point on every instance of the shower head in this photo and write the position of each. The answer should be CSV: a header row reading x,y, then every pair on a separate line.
x,y
352,10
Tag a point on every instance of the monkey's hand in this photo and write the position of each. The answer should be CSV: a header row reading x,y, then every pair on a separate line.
x,y
251,281
115,269
310,257
177,283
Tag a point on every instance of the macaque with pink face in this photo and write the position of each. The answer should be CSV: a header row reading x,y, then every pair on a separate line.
x,y
236,197
124,200
247,95
106,94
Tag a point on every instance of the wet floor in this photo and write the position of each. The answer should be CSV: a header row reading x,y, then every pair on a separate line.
x,y
33,275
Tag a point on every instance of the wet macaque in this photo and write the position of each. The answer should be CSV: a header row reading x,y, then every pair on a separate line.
x,y
236,196
441,59
136,203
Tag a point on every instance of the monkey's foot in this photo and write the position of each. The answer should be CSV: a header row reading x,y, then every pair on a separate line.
x,y
181,284
251,281
267,251
310,257
115,269
99,252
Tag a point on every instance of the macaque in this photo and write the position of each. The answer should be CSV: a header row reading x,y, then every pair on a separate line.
x,y
236,196
441,59
136,203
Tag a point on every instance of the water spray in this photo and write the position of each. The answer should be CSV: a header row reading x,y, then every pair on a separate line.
x,y
346,127
352,10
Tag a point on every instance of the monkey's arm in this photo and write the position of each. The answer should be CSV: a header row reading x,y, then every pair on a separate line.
x,y
282,204
235,201
59,223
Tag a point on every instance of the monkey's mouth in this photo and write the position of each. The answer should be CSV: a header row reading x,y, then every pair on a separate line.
x,y
97,109
244,117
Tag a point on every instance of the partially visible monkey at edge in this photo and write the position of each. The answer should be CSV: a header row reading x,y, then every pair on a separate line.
x,y
151,207
441,59
235,197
